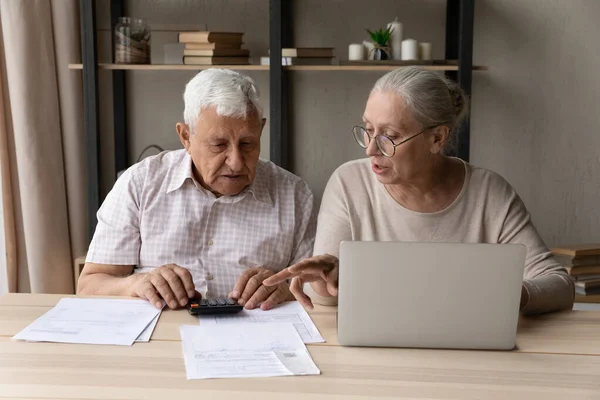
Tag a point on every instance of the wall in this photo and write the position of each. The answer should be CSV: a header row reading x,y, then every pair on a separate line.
x,y
534,111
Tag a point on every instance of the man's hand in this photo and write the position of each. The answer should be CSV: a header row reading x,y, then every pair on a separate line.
x,y
324,268
170,282
249,290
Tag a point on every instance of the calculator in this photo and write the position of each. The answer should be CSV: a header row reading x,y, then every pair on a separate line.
x,y
213,306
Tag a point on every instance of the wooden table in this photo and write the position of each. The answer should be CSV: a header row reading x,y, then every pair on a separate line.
x,y
558,357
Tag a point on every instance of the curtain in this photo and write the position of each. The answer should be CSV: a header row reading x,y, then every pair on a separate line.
x,y
41,146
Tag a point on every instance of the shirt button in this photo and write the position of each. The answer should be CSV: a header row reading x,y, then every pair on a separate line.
x,y
209,277
210,242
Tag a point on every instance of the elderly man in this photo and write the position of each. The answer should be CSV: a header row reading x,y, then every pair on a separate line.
x,y
210,220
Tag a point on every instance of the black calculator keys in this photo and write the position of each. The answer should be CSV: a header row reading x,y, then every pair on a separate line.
x,y
213,306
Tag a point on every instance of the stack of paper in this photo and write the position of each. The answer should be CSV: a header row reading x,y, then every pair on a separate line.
x,y
244,351
287,312
251,343
94,321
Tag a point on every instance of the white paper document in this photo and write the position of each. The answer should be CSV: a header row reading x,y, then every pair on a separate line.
x,y
287,312
244,351
147,333
92,321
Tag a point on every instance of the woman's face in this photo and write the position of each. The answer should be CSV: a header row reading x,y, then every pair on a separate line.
x,y
386,114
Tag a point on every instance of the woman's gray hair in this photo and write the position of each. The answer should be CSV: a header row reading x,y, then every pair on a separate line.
x,y
231,93
433,99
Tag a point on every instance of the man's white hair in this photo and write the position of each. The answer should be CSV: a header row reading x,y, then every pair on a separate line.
x,y
230,93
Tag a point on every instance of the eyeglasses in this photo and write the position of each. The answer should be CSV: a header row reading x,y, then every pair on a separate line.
x,y
386,146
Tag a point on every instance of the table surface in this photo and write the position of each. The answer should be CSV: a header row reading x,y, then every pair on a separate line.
x,y
557,357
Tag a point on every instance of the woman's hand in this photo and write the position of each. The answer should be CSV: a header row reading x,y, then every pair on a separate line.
x,y
323,269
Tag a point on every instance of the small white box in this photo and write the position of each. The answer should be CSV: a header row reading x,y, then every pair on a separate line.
x,y
174,53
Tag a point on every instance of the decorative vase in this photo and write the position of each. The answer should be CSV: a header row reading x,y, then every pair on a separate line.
x,y
380,53
132,41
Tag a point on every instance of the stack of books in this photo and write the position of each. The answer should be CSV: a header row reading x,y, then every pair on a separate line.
x,y
303,56
582,261
213,48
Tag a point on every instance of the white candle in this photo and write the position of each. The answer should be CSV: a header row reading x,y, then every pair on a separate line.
x,y
356,51
369,46
425,51
396,39
410,50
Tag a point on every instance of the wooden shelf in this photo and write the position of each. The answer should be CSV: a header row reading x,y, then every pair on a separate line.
x,y
166,67
375,67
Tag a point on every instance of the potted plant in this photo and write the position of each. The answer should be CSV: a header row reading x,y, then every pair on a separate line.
x,y
381,40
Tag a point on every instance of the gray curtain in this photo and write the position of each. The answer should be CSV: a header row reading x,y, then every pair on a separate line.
x,y
41,146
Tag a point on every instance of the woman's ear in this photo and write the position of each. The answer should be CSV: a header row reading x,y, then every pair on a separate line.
x,y
438,138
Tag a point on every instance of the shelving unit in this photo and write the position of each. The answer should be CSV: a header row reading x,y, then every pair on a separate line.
x,y
459,47
167,67
177,67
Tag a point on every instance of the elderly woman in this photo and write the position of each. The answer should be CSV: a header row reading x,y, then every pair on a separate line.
x,y
408,190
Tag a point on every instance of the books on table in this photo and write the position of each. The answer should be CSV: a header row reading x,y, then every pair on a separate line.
x,y
584,270
578,250
582,262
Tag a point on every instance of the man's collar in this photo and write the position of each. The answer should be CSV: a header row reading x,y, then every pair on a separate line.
x,y
183,171
260,186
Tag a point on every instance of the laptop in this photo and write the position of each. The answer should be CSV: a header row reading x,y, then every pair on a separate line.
x,y
429,295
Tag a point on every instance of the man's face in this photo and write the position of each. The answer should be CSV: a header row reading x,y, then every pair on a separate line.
x,y
224,150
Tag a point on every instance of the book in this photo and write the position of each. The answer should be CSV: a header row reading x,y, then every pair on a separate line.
x,y
215,60
210,37
577,250
586,291
212,46
307,52
217,53
568,261
584,270
582,298
299,61
588,284
584,278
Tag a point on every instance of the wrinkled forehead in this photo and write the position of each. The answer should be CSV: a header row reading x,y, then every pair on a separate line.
x,y
212,125
388,108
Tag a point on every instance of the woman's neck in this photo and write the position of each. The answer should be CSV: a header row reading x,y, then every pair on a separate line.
x,y
435,189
